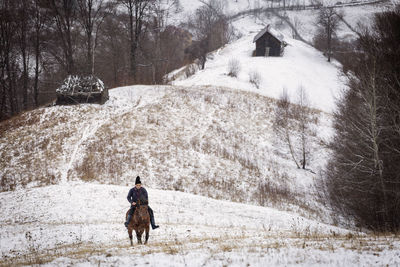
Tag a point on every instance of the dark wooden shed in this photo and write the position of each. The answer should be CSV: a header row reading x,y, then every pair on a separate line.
x,y
269,43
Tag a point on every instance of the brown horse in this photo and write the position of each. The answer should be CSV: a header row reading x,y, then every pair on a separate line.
x,y
140,222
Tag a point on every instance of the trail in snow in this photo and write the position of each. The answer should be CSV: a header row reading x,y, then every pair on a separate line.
x,y
120,103
89,131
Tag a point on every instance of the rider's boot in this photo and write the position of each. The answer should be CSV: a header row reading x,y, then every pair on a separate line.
x,y
128,220
152,222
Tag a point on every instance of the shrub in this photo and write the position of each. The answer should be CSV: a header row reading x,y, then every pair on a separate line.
x,y
233,67
255,78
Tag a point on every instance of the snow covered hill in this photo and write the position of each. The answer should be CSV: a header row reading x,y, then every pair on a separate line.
x,y
211,141
82,224
300,66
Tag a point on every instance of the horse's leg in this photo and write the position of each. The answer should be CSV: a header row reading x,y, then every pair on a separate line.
x,y
141,233
147,234
130,235
139,237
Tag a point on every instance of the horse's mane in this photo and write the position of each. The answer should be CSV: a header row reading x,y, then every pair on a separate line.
x,y
141,211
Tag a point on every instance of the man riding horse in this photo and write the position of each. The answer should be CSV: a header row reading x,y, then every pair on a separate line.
x,y
139,194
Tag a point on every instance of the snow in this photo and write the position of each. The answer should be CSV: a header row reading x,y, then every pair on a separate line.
x,y
77,223
301,65
76,217
274,33
353,15
81,83
208,135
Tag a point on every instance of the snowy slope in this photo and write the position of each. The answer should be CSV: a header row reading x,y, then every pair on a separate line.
x,y
301,65
355,15
211,141
82,224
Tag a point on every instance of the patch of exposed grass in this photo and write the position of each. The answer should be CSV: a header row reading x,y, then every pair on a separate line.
x,y
223,129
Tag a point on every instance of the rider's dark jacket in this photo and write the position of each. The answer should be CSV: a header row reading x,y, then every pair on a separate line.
x,y
134,195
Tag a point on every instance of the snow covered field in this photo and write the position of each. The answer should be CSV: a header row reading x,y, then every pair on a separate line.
x,y
77,223
204,141
82,224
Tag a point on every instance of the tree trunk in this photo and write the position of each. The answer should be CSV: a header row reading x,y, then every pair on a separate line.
x,y
89,59
131,39
374,138
329,32
70,59
11,97
3,109
287,135
23,47
37,58
3,106
304,151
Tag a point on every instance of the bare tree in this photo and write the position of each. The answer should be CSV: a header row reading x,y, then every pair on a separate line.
x,y
137,12
113,62
364,164
283,123
293,124
154,58
297,27
255,78
357,167
328,22
211,29
174,40
39,21
21,32
302,115
23,24
91,16
163,9
64,15
8,60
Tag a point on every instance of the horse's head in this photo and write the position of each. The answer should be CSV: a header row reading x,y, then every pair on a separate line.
x,y
142,213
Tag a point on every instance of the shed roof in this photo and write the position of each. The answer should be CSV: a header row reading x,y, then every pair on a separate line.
x,y
81,83
269,29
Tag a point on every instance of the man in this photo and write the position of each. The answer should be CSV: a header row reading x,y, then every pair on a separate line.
x,y
135,194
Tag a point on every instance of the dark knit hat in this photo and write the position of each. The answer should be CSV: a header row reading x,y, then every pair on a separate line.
x,y
138,181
